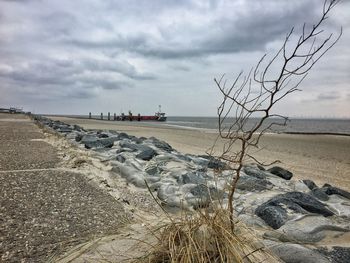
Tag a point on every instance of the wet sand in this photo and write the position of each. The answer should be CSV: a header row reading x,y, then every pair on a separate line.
x,y
322,158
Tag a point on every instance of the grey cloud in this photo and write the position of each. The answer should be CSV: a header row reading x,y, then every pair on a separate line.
x,y
52,76
251,31
63,49
180,67
327,97
123,67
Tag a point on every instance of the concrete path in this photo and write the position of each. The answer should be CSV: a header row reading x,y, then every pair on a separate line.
x,y
44,211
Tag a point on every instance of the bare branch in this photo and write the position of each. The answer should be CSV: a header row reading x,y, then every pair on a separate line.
x,y
294,61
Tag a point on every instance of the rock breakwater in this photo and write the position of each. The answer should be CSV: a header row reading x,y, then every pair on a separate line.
x,y
293,216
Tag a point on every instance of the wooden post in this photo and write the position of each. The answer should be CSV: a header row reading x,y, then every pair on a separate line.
x,y
89,115
101,116
109,116
115,117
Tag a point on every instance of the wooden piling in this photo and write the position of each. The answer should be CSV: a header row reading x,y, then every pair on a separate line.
x,y
109,116
101,116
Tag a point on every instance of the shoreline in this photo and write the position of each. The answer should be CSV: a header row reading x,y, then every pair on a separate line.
x,y
209,130
322,158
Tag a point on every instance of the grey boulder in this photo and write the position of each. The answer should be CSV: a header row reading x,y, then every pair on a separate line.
x,y
274,212
147,154
280,172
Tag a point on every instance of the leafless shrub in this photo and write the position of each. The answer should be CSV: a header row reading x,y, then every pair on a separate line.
x,y
215,236
267,84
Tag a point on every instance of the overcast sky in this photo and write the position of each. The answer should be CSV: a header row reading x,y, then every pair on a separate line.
x,y
72,57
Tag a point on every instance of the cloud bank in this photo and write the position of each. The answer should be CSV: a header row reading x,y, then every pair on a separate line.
x,y
73,57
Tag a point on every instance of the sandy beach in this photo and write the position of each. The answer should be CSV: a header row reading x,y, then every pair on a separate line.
x,y
322,158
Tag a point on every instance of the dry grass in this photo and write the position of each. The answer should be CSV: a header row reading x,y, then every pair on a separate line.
x,y
205,237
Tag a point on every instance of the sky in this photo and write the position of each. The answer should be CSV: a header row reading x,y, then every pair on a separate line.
x,y
76,57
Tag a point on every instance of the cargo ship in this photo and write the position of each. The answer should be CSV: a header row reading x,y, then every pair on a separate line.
x,y
158,116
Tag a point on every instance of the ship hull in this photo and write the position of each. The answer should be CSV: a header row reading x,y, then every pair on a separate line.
x,y
143,118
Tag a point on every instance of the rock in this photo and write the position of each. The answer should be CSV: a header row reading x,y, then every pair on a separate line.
x,y
295,236
216,164
251,220
88,138
99,143
310,184
120,158
274,216
102,135
78,137
207,193
168,195
274,211
78,128
247,183
131,173
191,178
122,136
209,161
152,170
64,129
280,172
135,147
331,190
255,172
152,179
299,186
161,144
320,194
122,150
136,140
147,154
310,229
293,253
336,254
196,160
182,157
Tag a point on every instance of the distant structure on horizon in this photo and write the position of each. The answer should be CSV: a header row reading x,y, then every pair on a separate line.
x,y
11,110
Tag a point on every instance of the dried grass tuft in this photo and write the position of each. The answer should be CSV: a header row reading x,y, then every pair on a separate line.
x,y
207,238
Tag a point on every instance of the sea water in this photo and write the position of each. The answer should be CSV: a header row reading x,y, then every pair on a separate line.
x,y
293,125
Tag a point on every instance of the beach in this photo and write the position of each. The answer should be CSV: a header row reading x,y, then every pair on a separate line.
x,y
78,190
321,158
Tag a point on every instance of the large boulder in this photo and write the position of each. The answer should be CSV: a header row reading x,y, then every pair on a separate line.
x,y
248,183
280,172
255,172
122,136
294,253
310,184
216,164
336,254
331,190
134,146
191,178
92,141
161,144
274,212
147,154
320,194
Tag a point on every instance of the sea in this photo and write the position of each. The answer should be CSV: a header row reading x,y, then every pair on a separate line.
x,y
293,125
